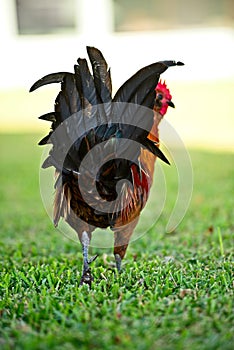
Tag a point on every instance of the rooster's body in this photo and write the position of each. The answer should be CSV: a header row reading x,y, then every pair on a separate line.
x,y
104,148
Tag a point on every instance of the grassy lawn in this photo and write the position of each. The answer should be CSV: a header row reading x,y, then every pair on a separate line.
x,y
176,290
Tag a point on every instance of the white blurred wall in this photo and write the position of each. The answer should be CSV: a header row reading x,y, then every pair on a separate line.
x,y
207,52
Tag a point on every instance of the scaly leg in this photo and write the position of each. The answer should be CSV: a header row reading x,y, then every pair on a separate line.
x,y
121,241
120,250
86,275
118,261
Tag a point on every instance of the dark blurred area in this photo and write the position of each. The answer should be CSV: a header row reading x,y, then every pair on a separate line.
x,y
56,16
44,17
167,14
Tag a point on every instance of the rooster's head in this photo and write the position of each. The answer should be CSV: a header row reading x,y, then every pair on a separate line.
x,y
163,98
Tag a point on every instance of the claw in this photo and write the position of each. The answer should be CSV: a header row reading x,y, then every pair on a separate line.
x,y
93,258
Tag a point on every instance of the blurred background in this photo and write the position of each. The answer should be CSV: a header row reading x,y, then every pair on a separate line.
x,y
43,36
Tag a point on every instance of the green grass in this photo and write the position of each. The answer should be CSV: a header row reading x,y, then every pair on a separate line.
x,y
176,290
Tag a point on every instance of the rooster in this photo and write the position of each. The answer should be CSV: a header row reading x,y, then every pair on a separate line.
x,y
104,148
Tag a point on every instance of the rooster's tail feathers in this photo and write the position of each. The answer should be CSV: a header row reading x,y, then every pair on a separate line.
x,y
90,95
134,83
101,74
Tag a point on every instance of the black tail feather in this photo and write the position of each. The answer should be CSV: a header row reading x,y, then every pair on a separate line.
x,y
48,79
101,74
50,117
153,148
131,85
89,98
46,140
87,85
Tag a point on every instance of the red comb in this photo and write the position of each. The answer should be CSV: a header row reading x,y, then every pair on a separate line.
x,y
162,87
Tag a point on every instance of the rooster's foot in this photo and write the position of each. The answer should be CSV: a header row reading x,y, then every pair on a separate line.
x,y
86,278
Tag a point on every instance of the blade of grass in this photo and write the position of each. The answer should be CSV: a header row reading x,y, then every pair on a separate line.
x,y
220,241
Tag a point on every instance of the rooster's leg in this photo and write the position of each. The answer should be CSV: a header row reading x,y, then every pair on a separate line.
x,y
120,248
86,275
122,238
119,253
